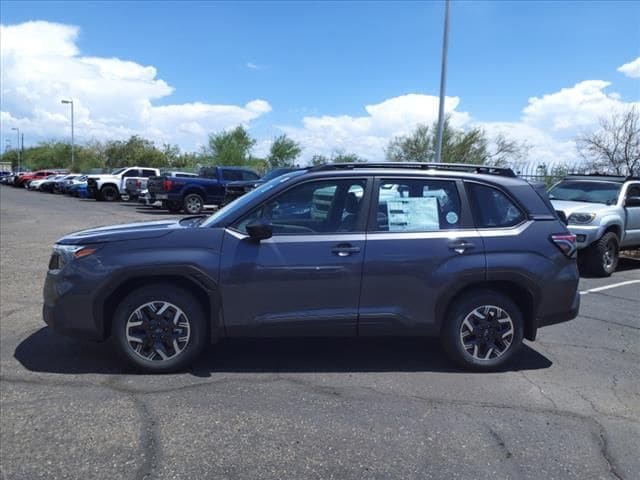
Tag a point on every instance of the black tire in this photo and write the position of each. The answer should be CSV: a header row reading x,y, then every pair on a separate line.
x,y
193,204
173,207
147,359
488,333
601,257
109,193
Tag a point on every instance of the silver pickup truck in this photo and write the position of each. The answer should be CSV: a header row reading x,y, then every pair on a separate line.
x,y
603,212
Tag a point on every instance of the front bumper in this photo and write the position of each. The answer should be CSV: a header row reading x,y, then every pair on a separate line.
x,y
68,306
564,316
585,234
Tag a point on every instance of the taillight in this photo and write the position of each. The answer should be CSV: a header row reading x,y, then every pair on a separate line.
x,y
167,184
566,242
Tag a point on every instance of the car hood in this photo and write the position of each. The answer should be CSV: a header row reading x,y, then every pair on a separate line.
x,y
128,231
569,207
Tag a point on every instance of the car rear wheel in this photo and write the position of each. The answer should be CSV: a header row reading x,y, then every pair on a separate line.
x,y
159,328
193,204
601,257
483,330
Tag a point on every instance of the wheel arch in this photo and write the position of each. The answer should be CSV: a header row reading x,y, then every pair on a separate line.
x,y
187,277
520,294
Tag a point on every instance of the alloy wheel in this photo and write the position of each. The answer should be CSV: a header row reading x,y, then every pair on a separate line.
x,y
158,331
486,332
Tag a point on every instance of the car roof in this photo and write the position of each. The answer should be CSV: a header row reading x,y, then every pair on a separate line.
x,y
601,177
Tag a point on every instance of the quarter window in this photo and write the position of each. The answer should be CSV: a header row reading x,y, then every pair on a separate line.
x,y
328,206
417,205
492,208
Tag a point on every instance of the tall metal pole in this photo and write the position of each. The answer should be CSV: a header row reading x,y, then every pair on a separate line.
x,y
443,81
72,139
18,146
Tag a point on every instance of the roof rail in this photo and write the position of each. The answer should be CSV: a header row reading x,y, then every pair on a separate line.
x,y
455,167
591,176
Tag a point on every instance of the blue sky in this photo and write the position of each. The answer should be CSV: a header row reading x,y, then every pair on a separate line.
x,y
333,59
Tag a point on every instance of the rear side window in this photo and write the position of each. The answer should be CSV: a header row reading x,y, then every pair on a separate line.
x,y
417,205
232,175
492,208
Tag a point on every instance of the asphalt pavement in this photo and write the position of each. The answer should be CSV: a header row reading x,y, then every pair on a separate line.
x,y
567,408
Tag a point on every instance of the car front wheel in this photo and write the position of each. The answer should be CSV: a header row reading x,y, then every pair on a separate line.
x,y
482,331
159,328
601,257
109,193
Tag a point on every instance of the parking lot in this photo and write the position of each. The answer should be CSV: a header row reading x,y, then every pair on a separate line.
x,y
569,408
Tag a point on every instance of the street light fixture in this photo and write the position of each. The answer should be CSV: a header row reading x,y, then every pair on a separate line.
x,y
70,102
18,146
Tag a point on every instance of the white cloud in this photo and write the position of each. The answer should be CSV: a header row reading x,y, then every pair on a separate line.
x,y
253,66
367,135
631,69
113,98
548,124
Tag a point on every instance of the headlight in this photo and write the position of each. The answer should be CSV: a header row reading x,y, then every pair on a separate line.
x,y
581,218
63,254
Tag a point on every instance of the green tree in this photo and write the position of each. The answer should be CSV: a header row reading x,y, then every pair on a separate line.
x,y
135,151
230,147
458,146
283,152
337,157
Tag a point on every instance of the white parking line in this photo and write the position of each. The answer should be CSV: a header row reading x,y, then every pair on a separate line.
x,y
607,287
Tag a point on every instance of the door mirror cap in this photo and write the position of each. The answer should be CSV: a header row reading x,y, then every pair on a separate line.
x,y
632,202
260,229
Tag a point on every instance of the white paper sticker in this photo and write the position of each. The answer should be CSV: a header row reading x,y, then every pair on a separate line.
x,y
413,214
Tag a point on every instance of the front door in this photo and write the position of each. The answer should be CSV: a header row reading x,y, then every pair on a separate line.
x,y
305,279
421,248
632,227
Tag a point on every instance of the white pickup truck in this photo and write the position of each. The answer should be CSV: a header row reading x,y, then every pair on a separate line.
x,y
603,212
109,187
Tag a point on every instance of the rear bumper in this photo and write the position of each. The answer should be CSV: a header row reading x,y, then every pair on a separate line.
x,y
560,317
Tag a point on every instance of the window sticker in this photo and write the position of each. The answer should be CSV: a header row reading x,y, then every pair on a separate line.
x,y
413,214
452,217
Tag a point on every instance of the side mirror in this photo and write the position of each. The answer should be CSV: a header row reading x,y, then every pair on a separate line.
x,y
260,229
632,202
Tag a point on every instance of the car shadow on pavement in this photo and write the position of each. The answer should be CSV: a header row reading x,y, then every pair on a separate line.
x,y
625,264
46,351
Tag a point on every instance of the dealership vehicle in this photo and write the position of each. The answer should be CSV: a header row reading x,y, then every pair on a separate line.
x,y
135,186
471,254
78,189
109,187
63,185
236,189
192,194
603,212
22,180
49,184
36,183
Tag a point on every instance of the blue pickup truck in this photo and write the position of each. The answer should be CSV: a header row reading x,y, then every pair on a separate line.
x,y
192,194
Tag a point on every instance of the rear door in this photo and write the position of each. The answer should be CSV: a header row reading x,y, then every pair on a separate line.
x,y
305,279
421,248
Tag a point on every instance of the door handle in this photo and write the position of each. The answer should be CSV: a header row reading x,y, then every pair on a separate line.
x,y
461,246
344,250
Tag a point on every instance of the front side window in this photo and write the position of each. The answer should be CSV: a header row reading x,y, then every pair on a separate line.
x,y
248,176
148,173
326,206
492,208
232,175
131,173
417,205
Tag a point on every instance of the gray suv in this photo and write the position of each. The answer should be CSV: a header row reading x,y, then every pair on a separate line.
x,y
471,254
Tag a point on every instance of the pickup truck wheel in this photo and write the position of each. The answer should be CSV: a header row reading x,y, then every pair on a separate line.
x,y
482,331
173,207
109,193
193,204
601,257
159,328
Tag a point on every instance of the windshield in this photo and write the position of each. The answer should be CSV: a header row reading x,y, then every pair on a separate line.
x,y
118,171
239,203
586,191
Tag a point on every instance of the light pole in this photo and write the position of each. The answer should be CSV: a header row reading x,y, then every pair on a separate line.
x,y
18,146
71,103
443,81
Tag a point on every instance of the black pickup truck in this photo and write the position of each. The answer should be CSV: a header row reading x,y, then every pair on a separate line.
x,y
192,194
